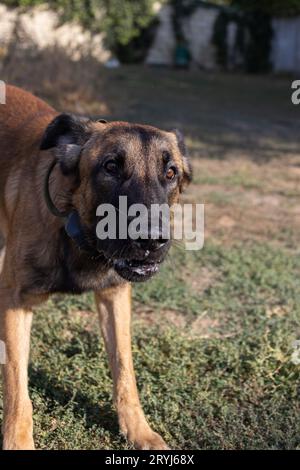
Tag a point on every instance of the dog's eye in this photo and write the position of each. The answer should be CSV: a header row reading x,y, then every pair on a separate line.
x,y
111,167
171,173
166,156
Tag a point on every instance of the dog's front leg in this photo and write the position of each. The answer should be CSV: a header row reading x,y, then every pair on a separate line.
x,y
114,307
15,325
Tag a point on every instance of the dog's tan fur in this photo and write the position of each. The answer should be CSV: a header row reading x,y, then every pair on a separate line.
x,y
25,219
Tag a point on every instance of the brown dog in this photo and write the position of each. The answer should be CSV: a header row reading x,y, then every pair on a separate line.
x,y
53,165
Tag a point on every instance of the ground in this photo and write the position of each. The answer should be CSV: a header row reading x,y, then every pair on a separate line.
x,y
214,331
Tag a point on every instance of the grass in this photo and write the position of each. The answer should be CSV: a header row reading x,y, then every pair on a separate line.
x,y
236,388
213,332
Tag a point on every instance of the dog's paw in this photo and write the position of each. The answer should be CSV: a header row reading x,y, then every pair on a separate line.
x,y
20,444
150,441
136,429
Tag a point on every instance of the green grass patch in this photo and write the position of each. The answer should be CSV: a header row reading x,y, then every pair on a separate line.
x,y
236,390
238,179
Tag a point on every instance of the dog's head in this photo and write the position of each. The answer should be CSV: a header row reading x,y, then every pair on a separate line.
x,y
109,160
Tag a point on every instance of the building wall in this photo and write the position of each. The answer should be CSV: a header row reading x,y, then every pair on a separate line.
x,y
286,45
198,29
39,28
162,49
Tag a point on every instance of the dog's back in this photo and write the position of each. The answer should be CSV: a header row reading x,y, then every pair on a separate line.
x,y
22,121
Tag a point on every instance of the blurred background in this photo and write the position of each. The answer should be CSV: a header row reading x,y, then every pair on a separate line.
x,y
215,333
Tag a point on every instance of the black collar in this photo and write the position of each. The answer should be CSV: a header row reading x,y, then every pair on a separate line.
x,y
73,226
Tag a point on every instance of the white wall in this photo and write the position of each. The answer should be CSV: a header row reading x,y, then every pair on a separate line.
x,y
162,50
286,45
198,29
40,27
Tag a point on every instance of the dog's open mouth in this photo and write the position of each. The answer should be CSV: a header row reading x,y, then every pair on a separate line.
x,y
136,270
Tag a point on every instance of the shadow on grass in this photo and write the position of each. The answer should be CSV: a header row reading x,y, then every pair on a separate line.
x,y
102,416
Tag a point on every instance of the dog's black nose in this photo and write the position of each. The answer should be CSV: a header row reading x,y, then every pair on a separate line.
x,y
150,244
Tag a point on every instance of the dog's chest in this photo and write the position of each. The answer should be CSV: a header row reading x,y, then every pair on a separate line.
x,y
67,274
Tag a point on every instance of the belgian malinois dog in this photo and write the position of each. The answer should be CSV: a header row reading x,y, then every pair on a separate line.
x,y
55,170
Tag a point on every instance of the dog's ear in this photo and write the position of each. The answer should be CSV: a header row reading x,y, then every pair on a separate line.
x,y
66,135
187,167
